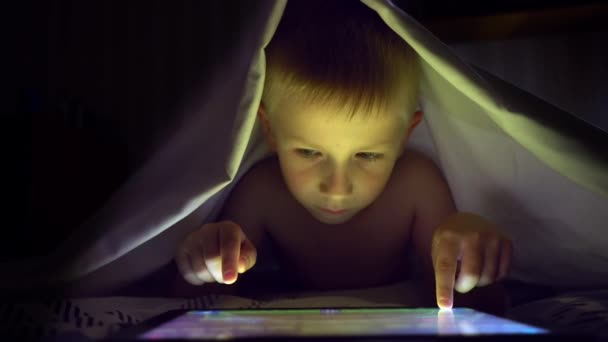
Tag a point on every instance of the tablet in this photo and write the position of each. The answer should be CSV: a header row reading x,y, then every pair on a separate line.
x,y
331,323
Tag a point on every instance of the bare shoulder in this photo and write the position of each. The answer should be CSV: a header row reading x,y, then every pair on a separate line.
x,y
418,169
423,178
252,196
256,186
261,175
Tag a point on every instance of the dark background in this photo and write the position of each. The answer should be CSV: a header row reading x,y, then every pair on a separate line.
x,y
441,9
89,88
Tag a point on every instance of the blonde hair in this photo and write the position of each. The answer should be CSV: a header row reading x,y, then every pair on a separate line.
x,y
340,53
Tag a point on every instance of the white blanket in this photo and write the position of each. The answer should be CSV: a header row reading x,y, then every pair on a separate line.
x,y
534,170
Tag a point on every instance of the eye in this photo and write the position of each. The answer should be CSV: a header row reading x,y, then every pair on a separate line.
x,y
306,153
369,156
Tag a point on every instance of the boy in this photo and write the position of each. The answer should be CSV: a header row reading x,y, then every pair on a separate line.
x,y
346,204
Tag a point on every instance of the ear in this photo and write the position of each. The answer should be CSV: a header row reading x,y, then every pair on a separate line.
x,y
416,119
268,135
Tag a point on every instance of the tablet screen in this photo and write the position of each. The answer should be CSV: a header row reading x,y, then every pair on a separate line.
x,y
228,324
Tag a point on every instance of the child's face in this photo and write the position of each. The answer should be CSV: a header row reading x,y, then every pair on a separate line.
x,y
335,167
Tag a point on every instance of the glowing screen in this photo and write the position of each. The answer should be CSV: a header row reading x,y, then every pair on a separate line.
x,y
228,324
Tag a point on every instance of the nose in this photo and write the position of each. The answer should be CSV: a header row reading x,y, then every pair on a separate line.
x,y
337,183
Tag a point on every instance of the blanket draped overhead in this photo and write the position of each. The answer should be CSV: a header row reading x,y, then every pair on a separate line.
x,y
538,172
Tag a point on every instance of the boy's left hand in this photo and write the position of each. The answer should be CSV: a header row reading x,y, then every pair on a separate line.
x,y
473,245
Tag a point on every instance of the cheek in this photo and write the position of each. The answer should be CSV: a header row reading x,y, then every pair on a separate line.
x,y
300,177
373,181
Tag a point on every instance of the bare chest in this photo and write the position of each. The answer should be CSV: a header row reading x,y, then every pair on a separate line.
x,y
368,250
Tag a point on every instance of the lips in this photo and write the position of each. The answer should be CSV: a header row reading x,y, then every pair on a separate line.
x,y
333,211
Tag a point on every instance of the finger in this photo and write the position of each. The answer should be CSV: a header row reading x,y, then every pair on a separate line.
x,y
230,249
445,263
506,252
491,259
185,269
211,252
471,263
248,256
197,261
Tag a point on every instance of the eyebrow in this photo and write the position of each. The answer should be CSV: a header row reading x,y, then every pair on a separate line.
x,y
370,147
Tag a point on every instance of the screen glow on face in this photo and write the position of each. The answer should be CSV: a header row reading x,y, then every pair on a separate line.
x,y
228,324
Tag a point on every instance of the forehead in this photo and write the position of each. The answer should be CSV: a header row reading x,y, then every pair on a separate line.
x,y
322,124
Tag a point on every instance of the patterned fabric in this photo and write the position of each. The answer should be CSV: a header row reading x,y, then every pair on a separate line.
x,y
585,312
95,318
85,318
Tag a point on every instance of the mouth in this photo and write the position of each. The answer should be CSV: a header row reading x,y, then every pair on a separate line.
x,y
333,211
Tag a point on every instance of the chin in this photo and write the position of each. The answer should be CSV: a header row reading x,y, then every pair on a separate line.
x,y
332,220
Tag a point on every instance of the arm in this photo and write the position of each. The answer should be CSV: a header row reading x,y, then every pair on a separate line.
x,y
438,227
243,211
247,205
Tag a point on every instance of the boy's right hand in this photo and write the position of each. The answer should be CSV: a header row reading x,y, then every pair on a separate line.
x,y
216,252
